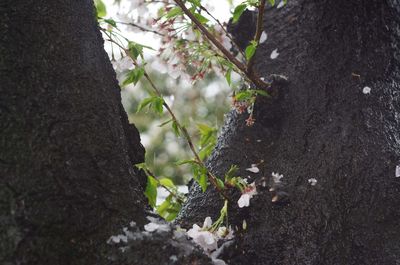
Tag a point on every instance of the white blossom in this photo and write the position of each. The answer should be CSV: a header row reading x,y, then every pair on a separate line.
x,y
248,193
367,90
312,181
203,238
276,177
151,227
253,168
123,64
117,239
263,37
225,233
274,54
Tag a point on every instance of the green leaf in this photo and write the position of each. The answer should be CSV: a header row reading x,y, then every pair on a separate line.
x,y
206,150
169,208
262,92
231,172
189,161
203,182
111,22
167,183
238,12
200,18
151,190
272,2
136,49
174,12
161,209
165,123
196,3
100,8
244,95
220,184
158,105
250,50
175,128
144,103
134,76
228,76
155,102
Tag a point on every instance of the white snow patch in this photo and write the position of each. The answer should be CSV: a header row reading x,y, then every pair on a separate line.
x,y
281,4
274,54
398,171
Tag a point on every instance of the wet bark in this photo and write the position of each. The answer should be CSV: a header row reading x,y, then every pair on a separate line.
x,y
319,125
67,180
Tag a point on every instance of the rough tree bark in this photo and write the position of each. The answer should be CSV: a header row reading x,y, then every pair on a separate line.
x,y
67,180
319,125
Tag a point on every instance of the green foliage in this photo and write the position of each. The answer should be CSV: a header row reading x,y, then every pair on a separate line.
x,y
169,209
134,76
174,12
136,49
250,50
272,2
100,8
155,103
238,12
200,176
151,190
208,139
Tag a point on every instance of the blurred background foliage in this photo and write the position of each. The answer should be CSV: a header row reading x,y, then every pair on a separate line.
x,y
196,104
204,102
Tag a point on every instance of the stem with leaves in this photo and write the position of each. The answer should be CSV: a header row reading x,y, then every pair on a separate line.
x,y
211,177
259,30
242,67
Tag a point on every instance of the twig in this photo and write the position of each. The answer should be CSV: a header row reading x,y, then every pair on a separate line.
x,y
211,177
139,27
251,75
258,33
225,31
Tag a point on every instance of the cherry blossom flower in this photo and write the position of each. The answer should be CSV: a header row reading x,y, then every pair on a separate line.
x,y
312,181
248,193
276,177
250,121
263,37
366,90
274,54
202,237
253,168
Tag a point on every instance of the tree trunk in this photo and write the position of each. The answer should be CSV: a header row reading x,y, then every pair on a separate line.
x,y
319,125
67,180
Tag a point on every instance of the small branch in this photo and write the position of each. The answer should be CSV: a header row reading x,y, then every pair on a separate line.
x,y
211,177
225,31
254,78
258,33
148,172
139,27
